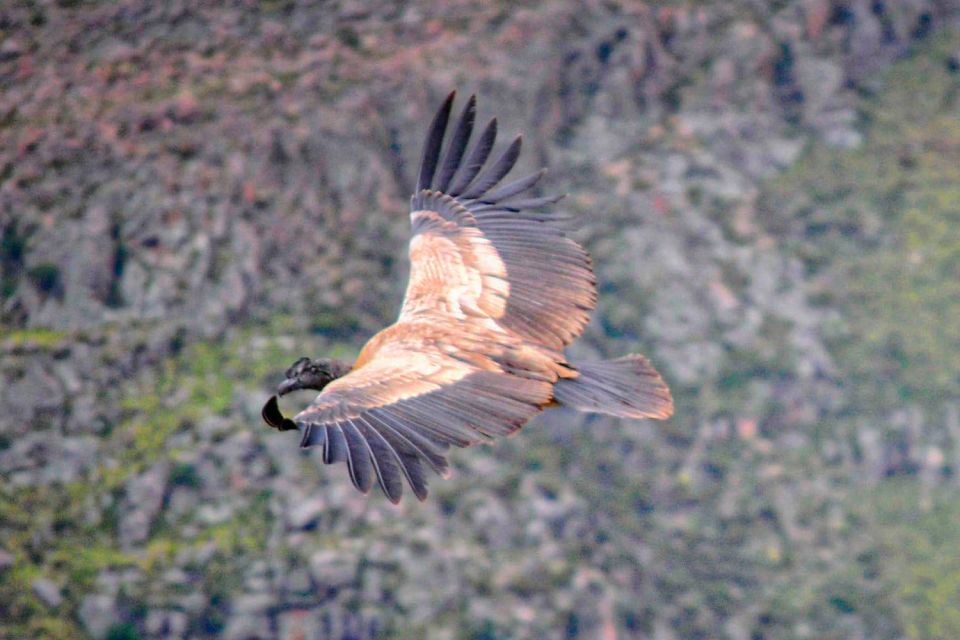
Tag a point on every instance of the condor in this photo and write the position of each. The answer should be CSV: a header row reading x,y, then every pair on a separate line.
x,y
496,292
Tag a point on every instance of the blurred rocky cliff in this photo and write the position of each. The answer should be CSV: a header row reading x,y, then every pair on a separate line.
x,y
191,196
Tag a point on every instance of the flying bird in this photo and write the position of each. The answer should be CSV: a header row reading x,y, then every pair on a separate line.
x,y
496,292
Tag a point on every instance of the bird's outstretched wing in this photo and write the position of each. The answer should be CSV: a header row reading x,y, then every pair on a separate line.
x,y
418,395
496,291
519,268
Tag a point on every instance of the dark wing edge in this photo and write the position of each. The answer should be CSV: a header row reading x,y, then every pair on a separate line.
x,y
390,442
552,285
468,181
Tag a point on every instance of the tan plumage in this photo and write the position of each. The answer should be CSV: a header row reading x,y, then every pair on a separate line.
x,y
495,294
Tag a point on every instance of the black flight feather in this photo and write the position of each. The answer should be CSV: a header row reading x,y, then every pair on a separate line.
x,y
431,150
469,170
495,173
458,145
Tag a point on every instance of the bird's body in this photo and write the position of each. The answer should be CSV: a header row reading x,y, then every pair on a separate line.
x,y
495,294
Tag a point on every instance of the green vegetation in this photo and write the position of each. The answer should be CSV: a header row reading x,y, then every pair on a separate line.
x,y
46,277
879,230
920,542
123,631
47,528
13,245
879,227
46,531
41,338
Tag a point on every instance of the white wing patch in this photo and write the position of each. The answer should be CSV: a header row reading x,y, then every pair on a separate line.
x,y
454,271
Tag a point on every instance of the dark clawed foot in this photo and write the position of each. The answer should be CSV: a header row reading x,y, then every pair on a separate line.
x,y
272,416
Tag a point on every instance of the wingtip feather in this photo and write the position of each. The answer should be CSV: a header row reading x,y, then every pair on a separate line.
x,y
431,148
458,145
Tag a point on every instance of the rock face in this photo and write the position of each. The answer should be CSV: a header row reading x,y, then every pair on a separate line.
x,y
48,592
98,613
142,503
192,196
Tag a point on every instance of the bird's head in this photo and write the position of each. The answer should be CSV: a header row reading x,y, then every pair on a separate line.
x,y
302,374
310,374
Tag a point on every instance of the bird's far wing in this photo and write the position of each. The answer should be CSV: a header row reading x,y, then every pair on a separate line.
x,y
478,250
409,402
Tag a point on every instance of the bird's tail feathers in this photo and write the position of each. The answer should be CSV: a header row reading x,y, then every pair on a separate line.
x,y
627,387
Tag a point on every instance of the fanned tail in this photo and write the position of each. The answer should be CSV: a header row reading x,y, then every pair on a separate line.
x,y
627,387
